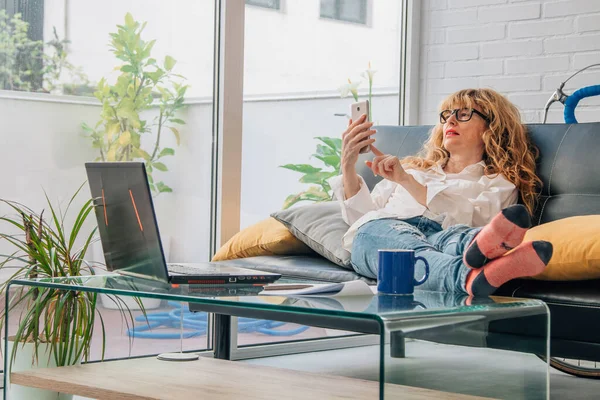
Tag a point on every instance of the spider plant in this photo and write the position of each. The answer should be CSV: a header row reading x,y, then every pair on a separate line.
x,y
63,320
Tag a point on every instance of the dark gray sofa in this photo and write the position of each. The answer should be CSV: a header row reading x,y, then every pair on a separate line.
x,y
569,168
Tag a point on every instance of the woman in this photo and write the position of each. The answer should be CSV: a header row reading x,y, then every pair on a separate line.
x,y
473,167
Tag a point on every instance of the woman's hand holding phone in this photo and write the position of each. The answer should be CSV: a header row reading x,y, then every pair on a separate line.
x,y
354,138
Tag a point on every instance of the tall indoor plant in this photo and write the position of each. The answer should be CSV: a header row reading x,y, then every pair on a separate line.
x,y
55,326
143,83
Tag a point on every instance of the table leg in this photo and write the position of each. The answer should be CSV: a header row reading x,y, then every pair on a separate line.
x,y
398,345
222,337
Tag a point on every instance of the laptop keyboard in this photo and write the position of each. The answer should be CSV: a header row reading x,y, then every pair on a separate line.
x,y
187,270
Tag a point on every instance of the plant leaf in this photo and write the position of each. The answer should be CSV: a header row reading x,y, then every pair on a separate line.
x,y
129,21
176,133
334,143
160,166
162,188
169,63
127,68
136,152
312,194
304,168
317,177
125,138
167,151
324,150
332,161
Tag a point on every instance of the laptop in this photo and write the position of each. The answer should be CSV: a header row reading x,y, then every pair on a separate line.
x,y
129,232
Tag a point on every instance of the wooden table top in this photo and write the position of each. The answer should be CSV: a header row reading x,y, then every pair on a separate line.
x,y
207,378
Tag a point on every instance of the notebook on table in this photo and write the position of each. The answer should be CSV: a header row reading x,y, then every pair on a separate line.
x,y
129,232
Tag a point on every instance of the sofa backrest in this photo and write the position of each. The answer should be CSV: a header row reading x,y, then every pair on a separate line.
x,y
569,164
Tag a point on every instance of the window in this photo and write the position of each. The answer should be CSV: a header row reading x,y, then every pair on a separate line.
x,y
21,59
274,4
291,82
47,125
32,12
345,10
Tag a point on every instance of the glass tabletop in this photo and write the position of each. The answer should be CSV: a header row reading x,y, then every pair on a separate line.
x,y
402,323
376,306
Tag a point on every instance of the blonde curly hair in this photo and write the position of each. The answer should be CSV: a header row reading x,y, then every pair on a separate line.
x,y
508,150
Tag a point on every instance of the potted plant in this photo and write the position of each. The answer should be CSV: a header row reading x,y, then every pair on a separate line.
x,y
144,83
55,327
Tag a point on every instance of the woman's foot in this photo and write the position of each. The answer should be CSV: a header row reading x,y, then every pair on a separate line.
x,y
528,259
504,232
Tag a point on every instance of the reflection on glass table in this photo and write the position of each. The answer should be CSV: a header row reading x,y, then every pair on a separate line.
x,y
519,325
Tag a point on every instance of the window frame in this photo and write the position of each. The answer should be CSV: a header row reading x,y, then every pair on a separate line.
x,y
337,18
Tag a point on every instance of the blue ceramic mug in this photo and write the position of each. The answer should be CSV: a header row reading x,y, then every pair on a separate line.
x,y
396,272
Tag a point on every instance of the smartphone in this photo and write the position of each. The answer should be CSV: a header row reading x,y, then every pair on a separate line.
x,y
356,110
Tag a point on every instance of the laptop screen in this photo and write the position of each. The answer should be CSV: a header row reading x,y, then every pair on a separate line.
x,y
126,220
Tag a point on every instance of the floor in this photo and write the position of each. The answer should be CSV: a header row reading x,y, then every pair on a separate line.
x,y
448,368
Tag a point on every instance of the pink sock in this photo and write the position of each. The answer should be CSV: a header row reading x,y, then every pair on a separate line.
x,y
504,232
528,259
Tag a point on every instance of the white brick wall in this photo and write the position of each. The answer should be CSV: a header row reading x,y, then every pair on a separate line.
x,y
522,48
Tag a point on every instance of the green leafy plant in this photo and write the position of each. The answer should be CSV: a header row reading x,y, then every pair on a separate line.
x,y
64,319
142,84
28,65
329,154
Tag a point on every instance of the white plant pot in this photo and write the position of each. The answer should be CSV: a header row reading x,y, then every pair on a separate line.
x,y
23,362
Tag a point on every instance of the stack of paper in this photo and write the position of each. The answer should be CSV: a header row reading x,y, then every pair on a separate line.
x,y
351,288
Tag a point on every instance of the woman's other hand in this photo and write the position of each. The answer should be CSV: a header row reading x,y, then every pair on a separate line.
x,y
354,138
387,166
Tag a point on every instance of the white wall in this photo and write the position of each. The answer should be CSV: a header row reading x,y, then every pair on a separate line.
x,y
524,49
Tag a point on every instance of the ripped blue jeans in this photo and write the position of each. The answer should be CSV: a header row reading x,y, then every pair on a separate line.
x,y
443,249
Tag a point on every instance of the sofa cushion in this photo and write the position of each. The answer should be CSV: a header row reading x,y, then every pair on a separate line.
x,y
265,238
576,242
321,227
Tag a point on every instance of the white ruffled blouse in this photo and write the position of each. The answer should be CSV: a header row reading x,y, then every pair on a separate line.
x,y
468,197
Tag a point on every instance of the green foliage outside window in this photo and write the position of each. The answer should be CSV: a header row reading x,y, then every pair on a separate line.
x,y
20,57
144,83
30,66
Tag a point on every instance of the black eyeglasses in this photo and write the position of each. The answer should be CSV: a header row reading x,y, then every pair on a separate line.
x,y
462,115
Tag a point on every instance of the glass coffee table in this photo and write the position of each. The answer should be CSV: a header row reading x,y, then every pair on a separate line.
x,y
495,323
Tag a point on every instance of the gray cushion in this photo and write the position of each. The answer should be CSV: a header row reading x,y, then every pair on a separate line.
x,y
321,227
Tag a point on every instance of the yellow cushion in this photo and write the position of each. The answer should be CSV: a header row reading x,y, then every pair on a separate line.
x,y
266,238
576,244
